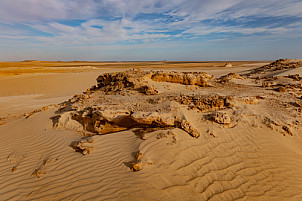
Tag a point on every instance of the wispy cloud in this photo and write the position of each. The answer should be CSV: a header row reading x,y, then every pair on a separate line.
x,y
103,22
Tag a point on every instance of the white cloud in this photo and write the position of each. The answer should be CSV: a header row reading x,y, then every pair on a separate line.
x,y
109,21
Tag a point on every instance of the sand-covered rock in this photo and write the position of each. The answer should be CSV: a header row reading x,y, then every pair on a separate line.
x,y
65,120
228,77
154,118
140,162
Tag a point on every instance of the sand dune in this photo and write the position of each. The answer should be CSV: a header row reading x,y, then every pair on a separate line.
x,y
248,145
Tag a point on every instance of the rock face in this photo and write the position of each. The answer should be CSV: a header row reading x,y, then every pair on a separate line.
x,y
199,79
111,82
206,103
154,118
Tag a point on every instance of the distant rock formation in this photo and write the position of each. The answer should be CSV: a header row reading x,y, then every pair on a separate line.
x,y
228,65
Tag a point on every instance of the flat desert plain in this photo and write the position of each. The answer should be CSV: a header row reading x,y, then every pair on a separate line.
x,y
151,130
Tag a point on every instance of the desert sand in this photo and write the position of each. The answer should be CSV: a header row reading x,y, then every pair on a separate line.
x,y
151,130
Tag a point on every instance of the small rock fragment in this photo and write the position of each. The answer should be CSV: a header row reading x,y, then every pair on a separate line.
x,y
85,145
14,169
139,163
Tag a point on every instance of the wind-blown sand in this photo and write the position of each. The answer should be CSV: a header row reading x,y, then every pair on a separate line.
x,y
185,136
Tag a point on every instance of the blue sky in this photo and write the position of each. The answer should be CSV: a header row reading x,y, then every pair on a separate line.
x,y
106,30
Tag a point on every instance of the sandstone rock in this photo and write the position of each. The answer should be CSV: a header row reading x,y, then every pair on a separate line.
x,y
154,118
199,79
186,126
295,77
221,118
148,90
104,127
139,163
206,103
114,116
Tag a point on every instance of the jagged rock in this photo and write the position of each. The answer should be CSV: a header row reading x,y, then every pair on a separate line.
x,y
186,126
221,118
121,80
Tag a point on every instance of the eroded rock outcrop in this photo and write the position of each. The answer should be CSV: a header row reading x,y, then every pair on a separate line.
x,y
199,79
206,103
222,118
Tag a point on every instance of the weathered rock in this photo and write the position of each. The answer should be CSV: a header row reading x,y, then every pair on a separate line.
x,y
111,82
221,118
199,79
148,90
228,77
206,103
139,163
85,146
154,118
287,130
186,126
114,116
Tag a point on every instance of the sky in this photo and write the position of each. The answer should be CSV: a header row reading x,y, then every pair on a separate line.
x,y
129,30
